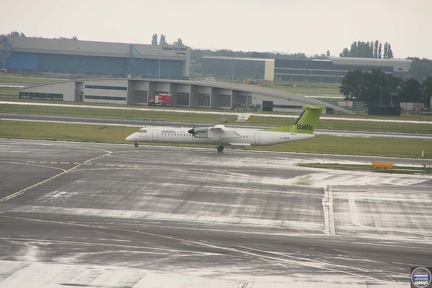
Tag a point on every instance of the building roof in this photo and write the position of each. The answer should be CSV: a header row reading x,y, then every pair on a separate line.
x,y
399,65
257,90
222,85
94,48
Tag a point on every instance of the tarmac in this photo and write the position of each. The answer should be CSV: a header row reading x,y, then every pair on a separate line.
x,y
102,215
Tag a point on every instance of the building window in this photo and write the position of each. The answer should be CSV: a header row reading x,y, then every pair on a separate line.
x,y
110,98
204,100
183,99
105,87
140,96
225,101
41,96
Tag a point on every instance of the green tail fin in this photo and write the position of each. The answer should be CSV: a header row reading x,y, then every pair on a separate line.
x,y
308,120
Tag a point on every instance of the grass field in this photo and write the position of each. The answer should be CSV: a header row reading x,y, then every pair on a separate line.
x,y
319,144
212,119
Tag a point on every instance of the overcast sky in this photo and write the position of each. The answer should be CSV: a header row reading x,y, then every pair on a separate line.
x,y
288,26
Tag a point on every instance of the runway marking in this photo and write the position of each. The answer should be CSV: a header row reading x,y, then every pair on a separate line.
x,y
64,171
353,209
244,251
32,163
327,202
37,184
92,243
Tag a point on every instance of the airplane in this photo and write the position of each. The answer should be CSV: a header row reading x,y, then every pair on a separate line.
x,y
232,136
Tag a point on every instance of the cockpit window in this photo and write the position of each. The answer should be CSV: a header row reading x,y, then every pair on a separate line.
x,y
142,131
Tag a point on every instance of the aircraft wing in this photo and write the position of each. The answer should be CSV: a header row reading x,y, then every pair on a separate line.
x,y
218,128
226,133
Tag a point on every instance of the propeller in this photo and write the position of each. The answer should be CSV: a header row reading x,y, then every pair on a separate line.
x,y
192,131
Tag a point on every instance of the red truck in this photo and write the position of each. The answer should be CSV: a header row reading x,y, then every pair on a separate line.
x,y
160,99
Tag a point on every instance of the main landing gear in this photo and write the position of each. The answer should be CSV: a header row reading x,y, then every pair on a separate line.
x,y
136,144
220,148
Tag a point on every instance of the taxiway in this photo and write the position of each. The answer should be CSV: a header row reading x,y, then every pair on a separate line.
x,y
87,215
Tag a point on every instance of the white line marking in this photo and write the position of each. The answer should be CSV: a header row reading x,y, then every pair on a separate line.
x,y
353,209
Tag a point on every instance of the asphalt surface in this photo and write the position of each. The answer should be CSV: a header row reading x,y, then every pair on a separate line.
x,y
97,215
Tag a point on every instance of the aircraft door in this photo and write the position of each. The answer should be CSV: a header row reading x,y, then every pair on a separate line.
x,y
155,135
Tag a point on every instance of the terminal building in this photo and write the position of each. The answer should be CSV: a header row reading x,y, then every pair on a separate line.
x,y
331,69
185,93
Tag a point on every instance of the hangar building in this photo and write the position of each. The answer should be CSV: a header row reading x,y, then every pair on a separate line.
x,y
331,70
191,94
239,68
69,57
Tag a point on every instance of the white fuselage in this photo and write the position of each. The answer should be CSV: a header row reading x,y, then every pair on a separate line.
x,y
230,136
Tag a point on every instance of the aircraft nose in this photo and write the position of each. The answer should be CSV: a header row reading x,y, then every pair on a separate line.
x,y
131,137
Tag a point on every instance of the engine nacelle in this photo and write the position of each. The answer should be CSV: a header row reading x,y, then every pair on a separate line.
x,y
200,132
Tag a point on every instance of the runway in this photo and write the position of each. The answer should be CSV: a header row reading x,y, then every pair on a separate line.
x,y
99,215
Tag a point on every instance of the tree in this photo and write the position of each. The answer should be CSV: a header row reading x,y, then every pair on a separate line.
x,y
179,43
410,91
373,87
154,39
15,33
420,69
353,86
345,53
388,53
367,50
378,87
162,40
380,51
375,50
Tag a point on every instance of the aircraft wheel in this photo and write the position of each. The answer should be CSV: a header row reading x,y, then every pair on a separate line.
x,y
136,144
220,148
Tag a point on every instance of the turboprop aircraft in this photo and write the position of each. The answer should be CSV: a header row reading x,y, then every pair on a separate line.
x,y
232,136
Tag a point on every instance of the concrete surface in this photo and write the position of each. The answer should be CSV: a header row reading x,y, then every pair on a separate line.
x,y
97,215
